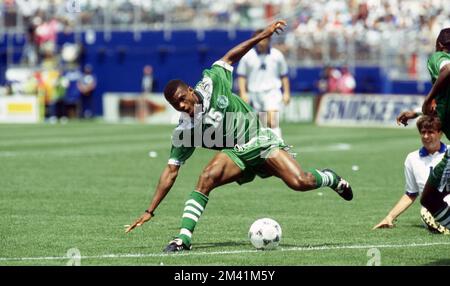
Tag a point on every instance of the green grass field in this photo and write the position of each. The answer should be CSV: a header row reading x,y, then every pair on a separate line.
x,y
77,185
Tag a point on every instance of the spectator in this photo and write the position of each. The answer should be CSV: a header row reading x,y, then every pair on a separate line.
x,y
86,85
329,80
346,83
46,34
147,79
147,88
72,96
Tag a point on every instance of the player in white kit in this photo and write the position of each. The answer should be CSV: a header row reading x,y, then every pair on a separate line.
x,y
418,165
262,72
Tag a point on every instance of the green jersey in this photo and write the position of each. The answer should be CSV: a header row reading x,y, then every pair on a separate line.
x,y
435,63
223,121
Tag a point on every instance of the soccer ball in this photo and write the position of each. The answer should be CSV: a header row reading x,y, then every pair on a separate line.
x,y
265,233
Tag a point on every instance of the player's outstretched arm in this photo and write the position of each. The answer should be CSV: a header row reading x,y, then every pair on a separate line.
x,y
405,116
439,85
402,205
236,53
166,181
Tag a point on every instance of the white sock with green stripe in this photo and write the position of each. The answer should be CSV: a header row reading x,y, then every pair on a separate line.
x,y
324,179
193,209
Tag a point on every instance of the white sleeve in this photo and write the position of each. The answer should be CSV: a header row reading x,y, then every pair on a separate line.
x,y
242,67
223,64
411,186
283,66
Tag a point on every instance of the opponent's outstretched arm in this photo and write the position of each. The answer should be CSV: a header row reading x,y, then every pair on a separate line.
x,y
236,53
166,181
407,115
402,205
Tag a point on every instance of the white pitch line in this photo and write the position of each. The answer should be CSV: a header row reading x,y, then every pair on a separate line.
x,y
137,147
330,147
144,255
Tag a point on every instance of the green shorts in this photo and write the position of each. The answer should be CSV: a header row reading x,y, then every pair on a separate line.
x,y
251,155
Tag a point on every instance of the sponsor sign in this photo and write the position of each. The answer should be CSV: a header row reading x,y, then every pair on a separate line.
x,y
365,110
123,107
19,109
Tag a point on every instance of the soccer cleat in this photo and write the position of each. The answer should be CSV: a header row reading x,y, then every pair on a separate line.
x,y
177,245
342,187
432,225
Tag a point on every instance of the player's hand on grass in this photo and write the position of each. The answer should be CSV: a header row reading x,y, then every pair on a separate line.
x,y
140,221
387,222
405,116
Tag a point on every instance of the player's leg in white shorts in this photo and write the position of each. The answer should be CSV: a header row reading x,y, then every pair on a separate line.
x,y
256,101
273,100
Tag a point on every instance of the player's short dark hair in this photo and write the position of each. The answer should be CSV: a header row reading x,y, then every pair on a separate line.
x,y
444,38
429,122
172,86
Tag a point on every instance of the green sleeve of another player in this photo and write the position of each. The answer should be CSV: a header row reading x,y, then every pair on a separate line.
x,y
434,64
179,155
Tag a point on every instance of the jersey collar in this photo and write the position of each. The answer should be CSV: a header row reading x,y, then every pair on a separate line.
x,y
267,53
200,97
423,152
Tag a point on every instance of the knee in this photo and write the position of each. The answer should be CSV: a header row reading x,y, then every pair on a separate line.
x,y
433,202
429,196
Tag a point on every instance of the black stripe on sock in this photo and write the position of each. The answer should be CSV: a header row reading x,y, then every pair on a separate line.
x,y
446,215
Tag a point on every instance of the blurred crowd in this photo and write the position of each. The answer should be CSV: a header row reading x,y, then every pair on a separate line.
x,y
397,33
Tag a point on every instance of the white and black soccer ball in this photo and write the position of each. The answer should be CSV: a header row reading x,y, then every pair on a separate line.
x,y
265,233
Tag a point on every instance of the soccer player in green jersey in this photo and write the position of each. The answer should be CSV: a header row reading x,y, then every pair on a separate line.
x,y
213,117
437,103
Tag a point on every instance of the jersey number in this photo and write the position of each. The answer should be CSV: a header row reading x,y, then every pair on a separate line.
x,y
213,117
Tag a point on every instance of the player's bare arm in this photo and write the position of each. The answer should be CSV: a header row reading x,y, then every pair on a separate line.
x,y
441,83
402,205
405,116
166,181
286,89
242,83
236,53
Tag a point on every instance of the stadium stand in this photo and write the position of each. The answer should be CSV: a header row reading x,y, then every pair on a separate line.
x,y
364,35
